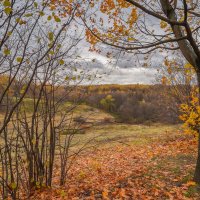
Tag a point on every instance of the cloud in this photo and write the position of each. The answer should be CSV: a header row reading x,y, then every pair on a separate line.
x,y
125,70
92,64
130,76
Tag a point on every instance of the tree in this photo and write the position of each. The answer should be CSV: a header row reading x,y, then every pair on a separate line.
x,y
132,31
26,46
33,55
145,26
108,102
180,80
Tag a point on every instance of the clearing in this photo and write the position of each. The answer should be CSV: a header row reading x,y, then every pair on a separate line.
x,y
130,162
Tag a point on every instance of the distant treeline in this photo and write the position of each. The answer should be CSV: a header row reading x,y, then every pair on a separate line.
x,y
137,103
128,103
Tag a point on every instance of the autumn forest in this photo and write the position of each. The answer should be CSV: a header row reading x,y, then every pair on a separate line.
x,y
100,99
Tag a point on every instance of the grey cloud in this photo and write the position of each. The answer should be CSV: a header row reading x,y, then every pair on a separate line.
x,y
91,64
127,69
131,76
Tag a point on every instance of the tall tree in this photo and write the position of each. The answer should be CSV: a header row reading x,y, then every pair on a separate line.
x,y
147,26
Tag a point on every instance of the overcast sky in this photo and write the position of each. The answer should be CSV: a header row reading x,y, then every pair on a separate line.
x,y
127,69
123,68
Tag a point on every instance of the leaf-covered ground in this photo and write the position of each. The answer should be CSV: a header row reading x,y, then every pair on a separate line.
x,y
160,169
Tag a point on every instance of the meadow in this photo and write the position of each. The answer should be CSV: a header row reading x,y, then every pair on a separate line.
x,y
112,159
128,161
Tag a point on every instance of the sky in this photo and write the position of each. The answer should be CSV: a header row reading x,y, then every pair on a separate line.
x,y
123,68
126,70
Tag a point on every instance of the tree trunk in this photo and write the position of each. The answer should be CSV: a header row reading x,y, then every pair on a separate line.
x,y
197,169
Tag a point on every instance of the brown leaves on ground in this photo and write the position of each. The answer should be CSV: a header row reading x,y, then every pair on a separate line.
x,y
156,171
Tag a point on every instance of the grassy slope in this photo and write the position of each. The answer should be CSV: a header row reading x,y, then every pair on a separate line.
x,y
132,161
147,162
166,155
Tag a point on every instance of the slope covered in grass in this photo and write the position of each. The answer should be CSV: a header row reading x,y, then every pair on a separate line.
x,y
131,162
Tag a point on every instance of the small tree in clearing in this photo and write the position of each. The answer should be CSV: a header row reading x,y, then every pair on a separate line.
x,y
108,102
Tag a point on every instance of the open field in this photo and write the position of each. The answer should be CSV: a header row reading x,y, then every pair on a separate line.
x,y
131,162
126,161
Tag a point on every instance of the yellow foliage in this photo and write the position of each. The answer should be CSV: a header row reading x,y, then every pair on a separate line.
x,y
191,183
107,6
90,37
190,114
123,4
82,175
164,80
166,63
105,194
133,17
163,24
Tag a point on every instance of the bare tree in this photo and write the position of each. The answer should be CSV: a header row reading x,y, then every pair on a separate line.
x,y
37,49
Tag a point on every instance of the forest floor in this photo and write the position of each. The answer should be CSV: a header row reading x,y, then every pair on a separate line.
x,y
125,161
130,162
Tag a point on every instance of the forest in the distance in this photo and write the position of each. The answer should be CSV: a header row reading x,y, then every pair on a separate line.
x,y
127,103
